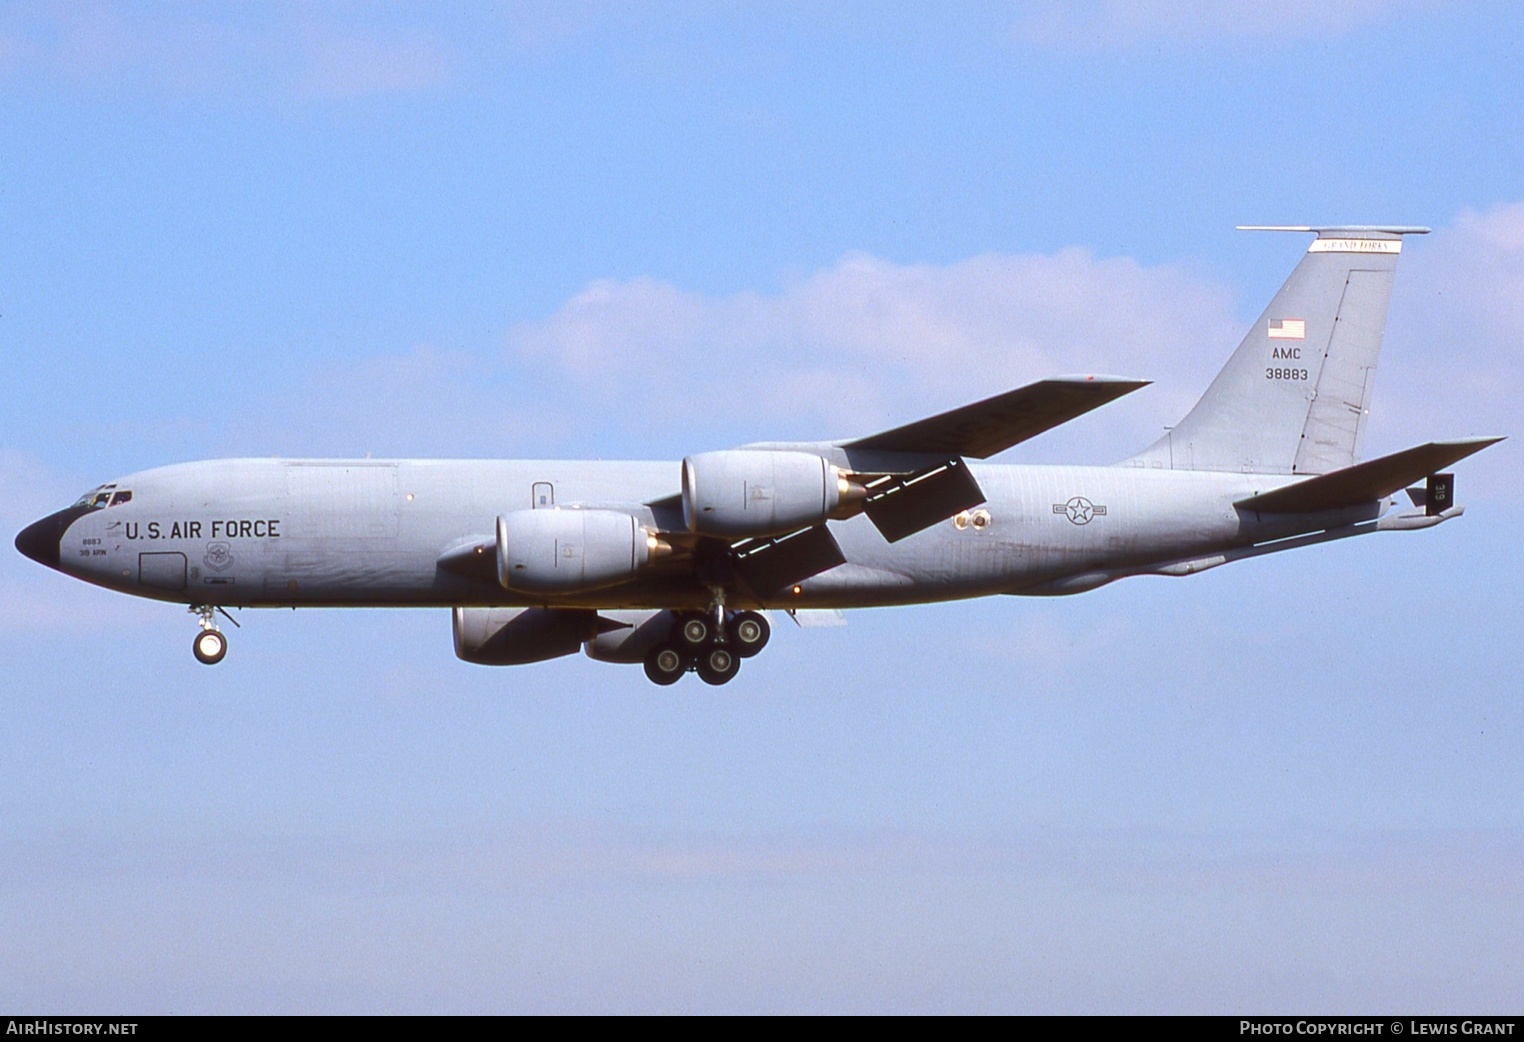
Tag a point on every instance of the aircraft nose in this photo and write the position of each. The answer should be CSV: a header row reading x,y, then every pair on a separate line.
x,y
39,540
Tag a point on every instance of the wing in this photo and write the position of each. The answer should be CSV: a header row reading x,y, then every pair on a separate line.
x,y
1365,482
904,500
984,428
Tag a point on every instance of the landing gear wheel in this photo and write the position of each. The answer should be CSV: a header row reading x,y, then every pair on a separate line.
x,y
209,647
665,665
748,632
718,664
694,631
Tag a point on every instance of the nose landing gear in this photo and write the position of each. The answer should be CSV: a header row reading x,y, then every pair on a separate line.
x,y
210,646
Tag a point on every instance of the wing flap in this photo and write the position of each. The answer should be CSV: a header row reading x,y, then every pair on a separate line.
x,y
1365,482
995,424
905,508
775,564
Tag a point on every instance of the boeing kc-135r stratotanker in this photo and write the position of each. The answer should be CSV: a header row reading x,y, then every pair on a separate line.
x,y
674,564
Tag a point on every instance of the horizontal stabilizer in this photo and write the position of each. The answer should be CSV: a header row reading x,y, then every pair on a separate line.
x,y
995,424
1365,482
1342,231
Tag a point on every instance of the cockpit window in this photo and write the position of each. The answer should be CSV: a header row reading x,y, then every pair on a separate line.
x,y
118,498
98,497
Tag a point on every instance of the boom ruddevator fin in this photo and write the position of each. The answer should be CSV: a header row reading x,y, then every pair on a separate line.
x,y
1365,482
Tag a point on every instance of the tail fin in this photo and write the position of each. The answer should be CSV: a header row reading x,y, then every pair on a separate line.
x,y
1294,397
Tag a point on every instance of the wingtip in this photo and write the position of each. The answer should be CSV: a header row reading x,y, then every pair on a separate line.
x,y
1480,443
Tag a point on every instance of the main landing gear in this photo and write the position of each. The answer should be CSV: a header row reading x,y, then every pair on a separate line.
x,y
713,649
210,646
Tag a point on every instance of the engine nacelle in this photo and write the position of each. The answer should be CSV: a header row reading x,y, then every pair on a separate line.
x,y
761,492
628,634
554,551
514,636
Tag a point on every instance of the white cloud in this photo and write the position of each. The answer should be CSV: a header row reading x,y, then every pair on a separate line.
x,y
644,367
868,343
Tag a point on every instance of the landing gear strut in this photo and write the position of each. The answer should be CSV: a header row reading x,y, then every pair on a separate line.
x,y
210,646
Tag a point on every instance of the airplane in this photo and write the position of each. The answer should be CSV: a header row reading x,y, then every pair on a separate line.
x,y
675,565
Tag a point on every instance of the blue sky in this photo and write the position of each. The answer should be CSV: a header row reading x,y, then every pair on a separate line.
x,y
587,229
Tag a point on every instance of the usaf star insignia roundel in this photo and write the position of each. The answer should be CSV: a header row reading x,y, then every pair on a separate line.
x,y
1079,510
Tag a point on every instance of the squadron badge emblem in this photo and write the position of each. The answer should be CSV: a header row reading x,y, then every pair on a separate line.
x,y
219,556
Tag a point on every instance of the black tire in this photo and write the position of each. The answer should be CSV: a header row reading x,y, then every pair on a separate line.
x,y
748,632
665,665
718,665
694,631
209,647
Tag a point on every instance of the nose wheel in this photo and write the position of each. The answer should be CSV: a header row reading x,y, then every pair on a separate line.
x,y
209,647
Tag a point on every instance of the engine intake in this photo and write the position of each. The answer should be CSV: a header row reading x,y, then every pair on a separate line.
x,y
742,493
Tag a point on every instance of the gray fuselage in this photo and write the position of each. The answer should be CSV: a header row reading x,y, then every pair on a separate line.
x,y
285,533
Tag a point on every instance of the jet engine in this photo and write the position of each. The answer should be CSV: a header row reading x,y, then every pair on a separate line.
x,y
559,551
514,636
627,636
742,493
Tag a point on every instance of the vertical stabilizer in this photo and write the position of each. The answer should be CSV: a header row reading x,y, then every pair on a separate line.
x,y
1295,396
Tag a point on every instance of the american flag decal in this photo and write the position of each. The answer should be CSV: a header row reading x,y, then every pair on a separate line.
x,y
1288,329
